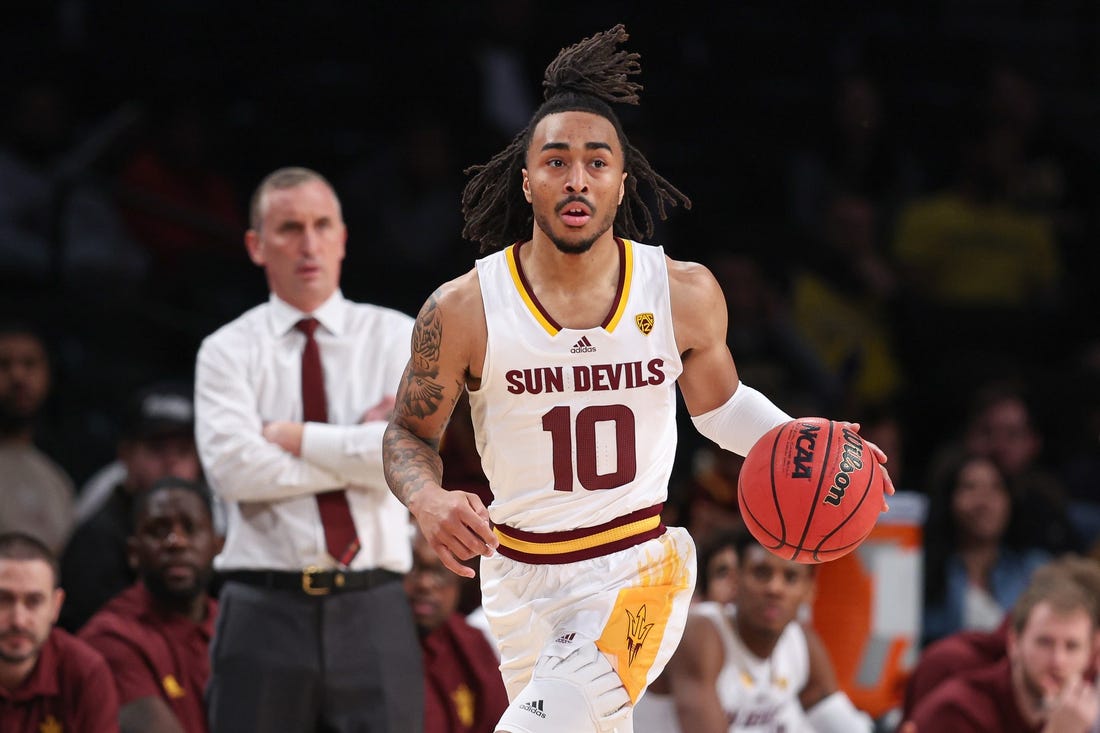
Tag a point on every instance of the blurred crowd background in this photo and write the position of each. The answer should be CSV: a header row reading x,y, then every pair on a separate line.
x,y
900,198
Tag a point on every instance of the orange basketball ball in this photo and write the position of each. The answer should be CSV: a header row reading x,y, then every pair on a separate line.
x,y
810,490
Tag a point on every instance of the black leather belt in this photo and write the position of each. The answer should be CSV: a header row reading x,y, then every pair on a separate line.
x,y
313,581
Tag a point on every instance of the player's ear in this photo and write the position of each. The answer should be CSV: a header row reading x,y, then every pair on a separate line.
x,y
622,188
526,186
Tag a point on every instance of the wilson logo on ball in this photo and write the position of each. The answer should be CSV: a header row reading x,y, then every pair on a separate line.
x,y
851,460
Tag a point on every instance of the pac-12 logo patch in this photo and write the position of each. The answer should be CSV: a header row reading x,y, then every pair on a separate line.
x,y
645,322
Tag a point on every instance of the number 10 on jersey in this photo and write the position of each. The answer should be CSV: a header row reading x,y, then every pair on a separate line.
x,y
575,440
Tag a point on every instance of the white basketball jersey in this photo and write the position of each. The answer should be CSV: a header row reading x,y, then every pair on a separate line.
x,y
576,427
758,695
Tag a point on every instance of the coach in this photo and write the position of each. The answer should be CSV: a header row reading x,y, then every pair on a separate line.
x,y
291,402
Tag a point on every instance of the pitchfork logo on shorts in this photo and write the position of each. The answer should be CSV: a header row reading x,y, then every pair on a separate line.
x,y
637,631
645,322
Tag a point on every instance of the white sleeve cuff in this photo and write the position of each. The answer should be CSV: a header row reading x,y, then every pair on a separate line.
x,y
741,421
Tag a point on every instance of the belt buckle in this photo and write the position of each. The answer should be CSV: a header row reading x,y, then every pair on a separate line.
x,y
307,582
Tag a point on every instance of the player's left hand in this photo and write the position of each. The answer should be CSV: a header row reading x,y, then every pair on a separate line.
x,y
285,434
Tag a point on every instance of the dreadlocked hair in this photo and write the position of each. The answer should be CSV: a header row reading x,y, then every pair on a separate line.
x,y
588,76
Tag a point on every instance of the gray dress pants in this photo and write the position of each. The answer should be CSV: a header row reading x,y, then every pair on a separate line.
x,y
286,662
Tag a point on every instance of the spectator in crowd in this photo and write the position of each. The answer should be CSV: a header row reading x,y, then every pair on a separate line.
x,y
99,488
158,441
975,562
843,297
1004,316
464,692
49,680
292,399
155,635
1045,176
941,239
718,566
753,664
969,650
1002,425
1045,681
36,494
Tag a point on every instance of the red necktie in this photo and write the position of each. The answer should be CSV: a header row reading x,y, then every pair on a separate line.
x,y
340,536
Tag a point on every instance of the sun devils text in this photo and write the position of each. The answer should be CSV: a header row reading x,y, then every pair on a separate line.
x,y
586,377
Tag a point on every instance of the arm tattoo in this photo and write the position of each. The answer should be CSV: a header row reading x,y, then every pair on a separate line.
x,y
409,462
422,392
427,336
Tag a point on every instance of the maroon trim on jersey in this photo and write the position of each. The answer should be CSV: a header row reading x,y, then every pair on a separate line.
x,y
619,289
574,535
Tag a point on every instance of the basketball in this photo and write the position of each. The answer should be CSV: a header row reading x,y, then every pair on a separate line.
x,y
810,490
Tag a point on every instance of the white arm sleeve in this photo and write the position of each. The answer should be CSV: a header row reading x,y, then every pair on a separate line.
x,y
741,421
837,714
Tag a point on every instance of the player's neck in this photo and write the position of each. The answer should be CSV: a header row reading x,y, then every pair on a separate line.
x,y
577,290
543,260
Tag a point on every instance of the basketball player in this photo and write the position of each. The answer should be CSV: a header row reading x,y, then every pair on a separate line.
x,y
754,666
570,341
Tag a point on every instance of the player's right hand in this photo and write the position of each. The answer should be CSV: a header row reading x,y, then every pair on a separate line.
x,y
456,525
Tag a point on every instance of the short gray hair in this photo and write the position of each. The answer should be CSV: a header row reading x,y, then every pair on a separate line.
x,y
281,179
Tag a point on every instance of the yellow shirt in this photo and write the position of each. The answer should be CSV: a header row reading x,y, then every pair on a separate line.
x,y
977,255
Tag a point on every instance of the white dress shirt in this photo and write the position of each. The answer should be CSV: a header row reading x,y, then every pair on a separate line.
x,y
248,373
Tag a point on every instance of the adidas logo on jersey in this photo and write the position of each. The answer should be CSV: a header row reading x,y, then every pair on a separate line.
x,y
582,347
565,638
535,706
